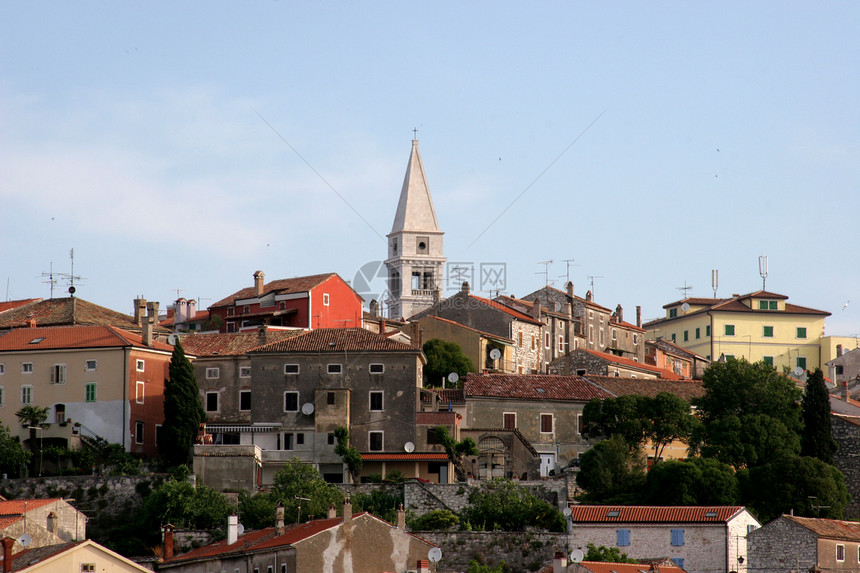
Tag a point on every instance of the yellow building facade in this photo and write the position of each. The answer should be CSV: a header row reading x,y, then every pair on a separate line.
x,y
761,326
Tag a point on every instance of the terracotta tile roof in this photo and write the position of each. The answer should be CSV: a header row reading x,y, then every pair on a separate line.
x,y
64,337
532,387
734,304
670,347
628,325
598,567
697,301
201,316
687,389
436,418
10,520
282,286
652,514
17,507
10,304
481,332
589,303
828,528
506,309
231,343
337,340
454,395
414,457
66,312
855,420
632,364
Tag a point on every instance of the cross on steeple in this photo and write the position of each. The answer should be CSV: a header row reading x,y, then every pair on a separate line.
x,y
414,133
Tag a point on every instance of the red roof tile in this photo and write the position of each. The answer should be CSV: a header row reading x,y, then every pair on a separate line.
x,y
829,528
532,387
10,304
633,364
454,395
506,309
436,418
66,312
281,286
686,389
414,457
455,323
63,337
337,340
652,514
231,343
599,567
17,507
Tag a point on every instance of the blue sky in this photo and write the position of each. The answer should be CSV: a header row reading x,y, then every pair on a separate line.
x,y
186,145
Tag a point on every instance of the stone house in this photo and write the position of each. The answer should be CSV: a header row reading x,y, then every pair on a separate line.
x,y
586,362
48,521
697,539
360,543
845,367
475,344
791,543
495,319
846,431
546,409
668,356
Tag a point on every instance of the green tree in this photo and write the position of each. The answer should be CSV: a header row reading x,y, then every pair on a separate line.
x,y
13,456
33,417
183,413
817,439
605,554
476,566
501,504
436,520
806,485
696,481
750,414
624,416
351,456
671,420
444,357
612,472
300,480
378,502
456,451
187,507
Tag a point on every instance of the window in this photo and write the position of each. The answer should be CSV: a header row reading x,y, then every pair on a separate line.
x,y
288,441
138,432
580,425
673,312
283,568
90,392
291,401
534,342
26,368
211,401
560,343
509,420
679,561
2,396
376,441
840,370
244,400
707,330
58,374
87,567
801,332
26,394
2,369
139,392
376,401
291,368
244,372
90,365
300,439
140,365
730,330
376,368
546,423
614,334
325,299
601,337
686,335
677,537
520,339
329,398
269,569
331,439
767,360
622,537
768,305
767,331
801,362
840,552
213,373
246,309
590,333
231,326
334,368
673,337
230,311
698,333
546,341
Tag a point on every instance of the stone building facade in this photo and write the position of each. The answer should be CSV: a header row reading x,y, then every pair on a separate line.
x,y
791,543
846,432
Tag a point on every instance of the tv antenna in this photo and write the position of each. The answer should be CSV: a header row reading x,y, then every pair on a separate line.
x,y
177,290
568,264
715,280
300,500
545,272
51,280
684,288
762,270
69,277
591,280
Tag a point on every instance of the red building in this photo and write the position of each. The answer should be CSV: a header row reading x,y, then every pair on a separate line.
x,y
316,301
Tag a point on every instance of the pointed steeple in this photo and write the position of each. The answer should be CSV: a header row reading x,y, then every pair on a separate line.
x,y
415,210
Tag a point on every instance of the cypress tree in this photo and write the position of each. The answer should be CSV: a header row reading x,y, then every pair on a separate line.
x,y
817,438
183,413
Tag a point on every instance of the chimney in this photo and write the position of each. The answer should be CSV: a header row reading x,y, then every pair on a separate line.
x,y
262,334
347,510
232,529
465,288
52,522
139,310
147,331
536,309
588,296
559,562
423,566
638,316
619,314
8,543
149,322
279,519
180,312
374,308
845,390
192,309
259,277
401,518
167,552
569,287
838,350
332,512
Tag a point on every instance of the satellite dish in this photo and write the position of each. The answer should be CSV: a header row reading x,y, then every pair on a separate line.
x,y
576,555
495,354
25,540
434,555
685,307
798,371
241,529
307,408
409,447
567,512
71,290
171,339
453,377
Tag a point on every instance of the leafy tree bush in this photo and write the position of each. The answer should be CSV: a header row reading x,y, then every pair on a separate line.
x,y
444,357
33,417
500,504
476,566
378,502
436,520
13,456
696,481
817,440
351,456
183,413
456,450
186,506
611,472
605,554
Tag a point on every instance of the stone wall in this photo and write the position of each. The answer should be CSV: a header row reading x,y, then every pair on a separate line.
x,y
521,551
847,459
